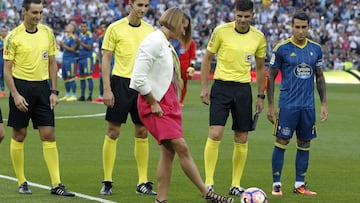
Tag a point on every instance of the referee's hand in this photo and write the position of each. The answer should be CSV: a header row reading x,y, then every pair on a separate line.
x,y
53,101
20,103
108,98
205,96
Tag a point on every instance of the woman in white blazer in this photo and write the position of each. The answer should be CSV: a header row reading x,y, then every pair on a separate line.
x,y
156,76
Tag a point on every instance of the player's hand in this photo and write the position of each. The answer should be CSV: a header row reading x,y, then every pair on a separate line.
x,y
109,99
61,43
323,114
77,40
205,96
271,114
20,103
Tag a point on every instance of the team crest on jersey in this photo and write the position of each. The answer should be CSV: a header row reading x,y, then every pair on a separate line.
x,y
272,60
303,71
45,55
285,131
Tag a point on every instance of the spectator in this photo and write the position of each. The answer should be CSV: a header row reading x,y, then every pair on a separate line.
x,y
187,63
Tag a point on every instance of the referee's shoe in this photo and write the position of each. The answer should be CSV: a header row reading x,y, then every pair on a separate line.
x,y
24,189
61,190
145,188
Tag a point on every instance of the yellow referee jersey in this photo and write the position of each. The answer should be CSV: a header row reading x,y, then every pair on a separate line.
x,y
235,52
30,52
124,40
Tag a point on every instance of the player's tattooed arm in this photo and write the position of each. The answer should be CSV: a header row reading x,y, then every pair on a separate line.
x,y
271,85
320,85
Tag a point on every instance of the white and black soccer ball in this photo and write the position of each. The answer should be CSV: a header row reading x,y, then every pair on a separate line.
x,y
253,195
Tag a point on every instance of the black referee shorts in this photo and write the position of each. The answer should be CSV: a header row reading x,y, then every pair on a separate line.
x,y
1,118
125,102
234,97
36,94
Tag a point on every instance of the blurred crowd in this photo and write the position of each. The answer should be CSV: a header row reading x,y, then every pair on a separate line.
x,y
335,24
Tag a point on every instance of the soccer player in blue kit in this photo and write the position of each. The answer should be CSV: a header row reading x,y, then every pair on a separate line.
x,y
68,66
86,63
300,60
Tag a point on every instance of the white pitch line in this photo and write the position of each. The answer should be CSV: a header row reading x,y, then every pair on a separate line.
x,y
81,116
48,188
78,116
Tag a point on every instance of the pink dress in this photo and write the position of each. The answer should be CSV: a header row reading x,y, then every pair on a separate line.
x,y
167,127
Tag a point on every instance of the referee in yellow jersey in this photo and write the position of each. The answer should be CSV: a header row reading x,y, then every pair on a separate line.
x,y
29,55
122,39
237,45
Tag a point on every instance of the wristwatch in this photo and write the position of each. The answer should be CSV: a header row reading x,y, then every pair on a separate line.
x,y
56,92
261,96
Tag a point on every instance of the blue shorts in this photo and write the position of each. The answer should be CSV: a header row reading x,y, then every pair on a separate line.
x,y
86,66
302,121
68,69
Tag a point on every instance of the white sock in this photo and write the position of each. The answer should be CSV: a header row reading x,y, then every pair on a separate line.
x,y
298,184
276,183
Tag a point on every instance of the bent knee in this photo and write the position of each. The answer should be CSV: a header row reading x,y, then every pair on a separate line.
x,y
303,145
282,141
113,131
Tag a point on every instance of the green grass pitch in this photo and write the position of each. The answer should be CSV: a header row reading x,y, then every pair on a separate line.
x,y
334,170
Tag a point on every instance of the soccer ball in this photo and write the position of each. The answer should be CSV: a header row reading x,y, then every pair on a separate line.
x,y
253,195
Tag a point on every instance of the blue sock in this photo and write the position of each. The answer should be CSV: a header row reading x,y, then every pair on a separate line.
x,y
67,88
277,162
82,87
73,87
302,162
91,86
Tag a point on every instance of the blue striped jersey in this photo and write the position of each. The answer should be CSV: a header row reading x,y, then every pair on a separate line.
x,y
298,65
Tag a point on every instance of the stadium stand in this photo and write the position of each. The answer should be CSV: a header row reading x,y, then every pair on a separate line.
x,y
334,24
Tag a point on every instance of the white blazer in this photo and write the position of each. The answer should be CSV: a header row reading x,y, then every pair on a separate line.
x,y
153,69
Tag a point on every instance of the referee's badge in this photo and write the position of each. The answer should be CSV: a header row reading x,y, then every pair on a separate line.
x,y
249,57
45,55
